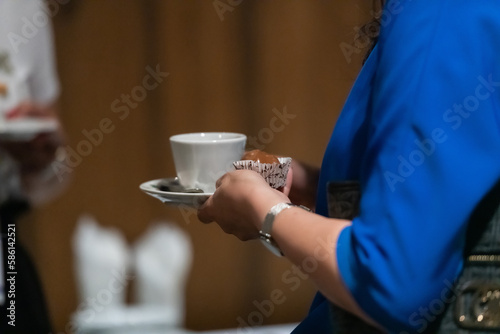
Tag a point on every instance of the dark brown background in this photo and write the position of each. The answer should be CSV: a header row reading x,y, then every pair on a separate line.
x,y
228,71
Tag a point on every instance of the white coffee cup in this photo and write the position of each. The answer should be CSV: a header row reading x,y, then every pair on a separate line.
x,y
203,157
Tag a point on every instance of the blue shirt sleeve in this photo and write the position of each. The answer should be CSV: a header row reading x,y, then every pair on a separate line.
x,y
432,152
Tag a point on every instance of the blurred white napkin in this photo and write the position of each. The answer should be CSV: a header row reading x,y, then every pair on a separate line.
x,y
158,263
102,263
162,258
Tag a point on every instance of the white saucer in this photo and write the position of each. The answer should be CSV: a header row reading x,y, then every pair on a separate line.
x,y
193,200
25,129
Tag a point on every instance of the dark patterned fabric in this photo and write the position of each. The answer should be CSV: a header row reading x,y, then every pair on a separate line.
x,y
476,294
472,305
343,199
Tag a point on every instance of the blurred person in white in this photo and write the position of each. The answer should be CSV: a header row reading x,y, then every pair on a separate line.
x,y
29,90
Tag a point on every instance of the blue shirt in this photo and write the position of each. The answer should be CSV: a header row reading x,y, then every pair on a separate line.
x,y
421,132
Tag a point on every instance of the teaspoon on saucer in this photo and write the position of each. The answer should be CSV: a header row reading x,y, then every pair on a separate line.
x,y
173,185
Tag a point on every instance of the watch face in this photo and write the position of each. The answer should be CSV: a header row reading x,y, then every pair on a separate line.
x,y
271,245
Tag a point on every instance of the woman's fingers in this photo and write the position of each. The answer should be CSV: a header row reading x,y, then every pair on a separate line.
x,y
203,212
288,184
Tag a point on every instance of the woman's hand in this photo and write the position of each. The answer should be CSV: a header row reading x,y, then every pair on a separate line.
x,y
39,182
302,183
240,203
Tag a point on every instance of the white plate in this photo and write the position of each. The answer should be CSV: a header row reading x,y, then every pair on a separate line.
x,y
270,329
133,319
193,200
26,129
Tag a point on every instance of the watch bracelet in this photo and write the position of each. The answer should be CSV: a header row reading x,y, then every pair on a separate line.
x,y
265,232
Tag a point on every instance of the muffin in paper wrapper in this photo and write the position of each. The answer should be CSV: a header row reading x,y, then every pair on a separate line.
x,y
275,174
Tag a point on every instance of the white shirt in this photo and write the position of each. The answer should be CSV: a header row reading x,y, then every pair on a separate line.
x,y
27,73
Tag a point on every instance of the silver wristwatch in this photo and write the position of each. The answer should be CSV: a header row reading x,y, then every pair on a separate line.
x,y
265,232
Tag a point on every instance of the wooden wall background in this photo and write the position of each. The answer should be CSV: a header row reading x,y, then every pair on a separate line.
x,y
228,69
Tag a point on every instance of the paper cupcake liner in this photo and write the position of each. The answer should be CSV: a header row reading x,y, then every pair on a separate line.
x,y
275,174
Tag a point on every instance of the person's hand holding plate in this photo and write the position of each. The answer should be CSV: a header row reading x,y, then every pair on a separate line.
x,y
31,134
